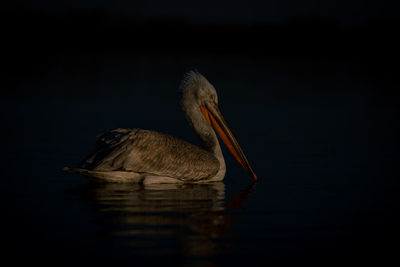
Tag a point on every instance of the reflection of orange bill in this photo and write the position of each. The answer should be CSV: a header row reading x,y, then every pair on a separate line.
x,y
214,117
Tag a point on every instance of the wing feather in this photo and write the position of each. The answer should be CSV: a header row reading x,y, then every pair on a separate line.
x,y
151,152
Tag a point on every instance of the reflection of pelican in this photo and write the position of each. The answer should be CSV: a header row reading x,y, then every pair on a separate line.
x,y
196,220
152,157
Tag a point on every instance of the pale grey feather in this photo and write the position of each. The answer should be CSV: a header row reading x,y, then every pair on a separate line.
x,y
151,152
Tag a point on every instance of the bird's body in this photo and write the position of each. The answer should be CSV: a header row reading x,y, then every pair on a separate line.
x,y
150,153
136,155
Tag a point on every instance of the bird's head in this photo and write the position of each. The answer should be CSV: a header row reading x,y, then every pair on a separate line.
x,y
196,88
198,94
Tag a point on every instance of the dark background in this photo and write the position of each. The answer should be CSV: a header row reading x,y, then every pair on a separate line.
x,y
311,89
39,35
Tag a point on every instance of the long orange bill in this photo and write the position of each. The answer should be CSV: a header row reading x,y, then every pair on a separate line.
x,y
215,119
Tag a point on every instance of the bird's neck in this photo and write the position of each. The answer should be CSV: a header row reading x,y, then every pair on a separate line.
x,y
207,136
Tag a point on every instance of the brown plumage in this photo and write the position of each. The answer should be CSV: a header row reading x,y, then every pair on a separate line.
x,y
151,152
135,155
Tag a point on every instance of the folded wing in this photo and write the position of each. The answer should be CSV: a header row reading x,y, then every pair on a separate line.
x,y
151,152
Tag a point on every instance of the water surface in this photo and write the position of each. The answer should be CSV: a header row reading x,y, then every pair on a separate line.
x,y
322,138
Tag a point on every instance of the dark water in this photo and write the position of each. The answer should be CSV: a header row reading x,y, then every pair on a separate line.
x,y
322,138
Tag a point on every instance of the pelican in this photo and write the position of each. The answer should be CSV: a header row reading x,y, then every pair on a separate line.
x,y
149,157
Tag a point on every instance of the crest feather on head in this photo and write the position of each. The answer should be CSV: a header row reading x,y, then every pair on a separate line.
x,y
193,78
